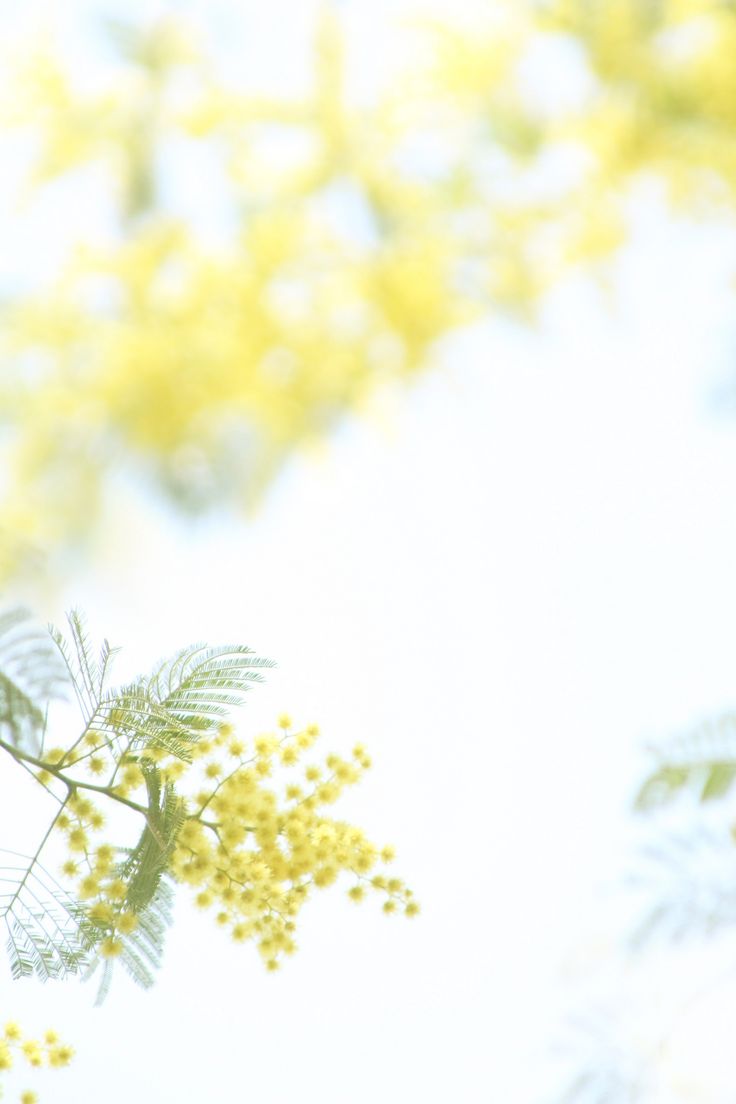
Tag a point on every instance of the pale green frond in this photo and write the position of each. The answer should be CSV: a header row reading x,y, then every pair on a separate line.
x,y
131,714
107,654
199,685
105,981
80,663
186,696
142,951
149,859
87,671
46,936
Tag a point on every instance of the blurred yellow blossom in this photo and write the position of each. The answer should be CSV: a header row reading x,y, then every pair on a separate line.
x,y
351,234
48,1051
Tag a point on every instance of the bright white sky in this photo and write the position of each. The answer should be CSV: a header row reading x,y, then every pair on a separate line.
x,y
505,582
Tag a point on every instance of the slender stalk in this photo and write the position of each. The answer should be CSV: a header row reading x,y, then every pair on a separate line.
x,y
71,784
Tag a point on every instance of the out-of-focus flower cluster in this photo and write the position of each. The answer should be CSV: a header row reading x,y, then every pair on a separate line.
x,y
203,360
350,232
48,1051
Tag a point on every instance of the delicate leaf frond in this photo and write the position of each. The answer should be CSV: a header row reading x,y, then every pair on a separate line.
x,y
87,672
147,862
105,980
107,654
142,952
186,696
199,684
143,949
86,664
46,933
129,714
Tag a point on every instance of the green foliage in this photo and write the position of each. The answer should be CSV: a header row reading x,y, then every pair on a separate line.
x,y
145,866
50,934
185,696
702,763
143,949
46,933
88,675
199,685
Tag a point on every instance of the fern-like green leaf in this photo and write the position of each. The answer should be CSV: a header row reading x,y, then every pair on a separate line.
x,y
46,934
86,674
129,716
143,869
187,695
199,685
142,951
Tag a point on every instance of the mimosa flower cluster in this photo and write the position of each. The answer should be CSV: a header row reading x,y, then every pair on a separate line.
x,y
48,1051
252,849
159,788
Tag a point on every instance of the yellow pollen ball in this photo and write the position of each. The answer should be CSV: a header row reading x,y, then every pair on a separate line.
x,y
116,890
